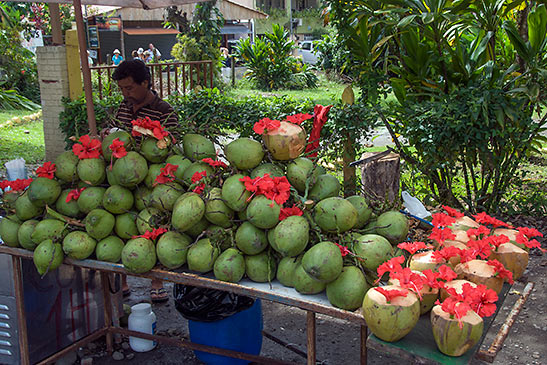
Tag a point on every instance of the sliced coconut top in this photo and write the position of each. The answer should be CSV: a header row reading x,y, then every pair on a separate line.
x,y
457,244
476,267
510,248
471,317
465,223
426,289
461,235
458,284
286,128
400,301
423,258
511,233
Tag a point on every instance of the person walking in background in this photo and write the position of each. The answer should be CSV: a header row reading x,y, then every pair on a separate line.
x,y
135,55
154,52
117,57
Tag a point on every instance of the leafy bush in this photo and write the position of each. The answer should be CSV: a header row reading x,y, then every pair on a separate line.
x,y
10,99
333,54
271,64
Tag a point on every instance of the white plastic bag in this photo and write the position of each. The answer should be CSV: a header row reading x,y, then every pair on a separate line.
x,y
16,169
414,206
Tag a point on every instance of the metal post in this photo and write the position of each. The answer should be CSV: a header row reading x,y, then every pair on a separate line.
x,y
86,73
310,328
20,303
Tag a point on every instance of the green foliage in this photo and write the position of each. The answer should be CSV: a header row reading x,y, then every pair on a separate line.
x,y
332,51
10,99
271,64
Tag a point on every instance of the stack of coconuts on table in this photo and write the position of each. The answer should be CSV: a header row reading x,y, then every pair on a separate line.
x,y
269,213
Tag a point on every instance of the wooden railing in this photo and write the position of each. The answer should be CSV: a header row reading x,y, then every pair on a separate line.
x,y
166,78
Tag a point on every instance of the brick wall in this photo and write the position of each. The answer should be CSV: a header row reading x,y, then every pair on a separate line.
x,y
53,77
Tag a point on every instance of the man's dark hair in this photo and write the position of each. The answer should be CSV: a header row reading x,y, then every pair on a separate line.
x,y
136,69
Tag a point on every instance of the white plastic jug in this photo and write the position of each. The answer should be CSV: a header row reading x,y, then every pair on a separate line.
x,y
142,319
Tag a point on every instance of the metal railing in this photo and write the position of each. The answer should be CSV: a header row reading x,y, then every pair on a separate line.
x,y
166,78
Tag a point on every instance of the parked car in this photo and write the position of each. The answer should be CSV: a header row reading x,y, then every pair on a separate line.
x,y
306,51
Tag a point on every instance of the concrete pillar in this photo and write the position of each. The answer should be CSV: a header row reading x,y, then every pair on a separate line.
x,y
53,78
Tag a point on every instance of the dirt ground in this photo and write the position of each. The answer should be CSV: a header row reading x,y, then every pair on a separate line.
x,y
338,340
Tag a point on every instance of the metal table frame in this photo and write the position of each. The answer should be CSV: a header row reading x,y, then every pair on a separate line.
x,y
310,306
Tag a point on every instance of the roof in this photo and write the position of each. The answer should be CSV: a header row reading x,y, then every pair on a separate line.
x,y
148,31
142,4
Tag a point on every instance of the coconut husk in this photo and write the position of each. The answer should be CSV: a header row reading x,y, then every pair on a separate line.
x,y
423,261
514,258
479,272
456,284
464,223
428,295
452,340
286,142
512,235
453,261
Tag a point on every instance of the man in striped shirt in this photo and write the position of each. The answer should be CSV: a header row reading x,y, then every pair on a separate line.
x,y
139,100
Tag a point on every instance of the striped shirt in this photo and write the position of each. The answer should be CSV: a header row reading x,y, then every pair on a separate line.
x,y
157,109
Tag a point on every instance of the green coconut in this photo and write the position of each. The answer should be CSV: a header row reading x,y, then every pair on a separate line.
x,y
99,223
216,211
165,195
198,228
372,250
147,219
117,199
110,177
139,255
335,215
291,235
24,209
92,171
91,198
150,150
78,245
202,256
390,321
143,197
260,268
70,209
305,284
109,249
234,193
130,170
349,289
267,168
286,268
244,153
392,225
126,225
230,266
302,170
172,249
222,237
326,186
364,212
250,240
263,212
197,147
323,261
42,191
153,171
123,136
188,210
452,340
65,167
9,226
48,256
193,168
182,163
49,229
25,232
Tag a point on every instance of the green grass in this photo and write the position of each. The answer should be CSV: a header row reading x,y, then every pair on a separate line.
x,y
15,143
7,114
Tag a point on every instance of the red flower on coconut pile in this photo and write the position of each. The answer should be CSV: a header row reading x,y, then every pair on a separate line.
x,y
15,185
196,178
481,299
289,211
501,271
446,253
141,125
412,247
118,149
391,265
391,293
453,212
4,184
441,234
320,116
74,194
87,148
277,189
153,234
167,174
523,240
484,218
442,220
343,250
477,232
446,273
298,118
214,163
432,279
479,248
47,170
266,124
454,307
496,241
409,280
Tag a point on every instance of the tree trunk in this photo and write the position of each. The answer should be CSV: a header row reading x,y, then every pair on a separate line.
x,y
381,178
350,186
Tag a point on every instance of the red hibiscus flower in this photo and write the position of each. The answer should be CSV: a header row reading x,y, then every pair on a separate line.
x,y
19,184
276,189
452,212
477,232
480,248
87,148
320,116
74,194
409,280
529,232
289,211
47,170
412,247
442,220
455,308
298,118
484,218
167,174
441,234
501,271
149,127
153,234
446,253
481,299
4,184
196,178
214,163
391,265
343,249
431,279
391,293
266,124
446,273
117,148
496,241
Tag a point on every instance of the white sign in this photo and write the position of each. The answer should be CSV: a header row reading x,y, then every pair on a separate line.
x,y
35,40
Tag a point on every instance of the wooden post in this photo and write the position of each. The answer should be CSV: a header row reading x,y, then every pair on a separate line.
x,y
364,336
105,282
20,304
55,18
310,328
73,64
381,177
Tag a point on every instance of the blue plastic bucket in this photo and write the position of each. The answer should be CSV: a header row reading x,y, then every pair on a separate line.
x,y
240,332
